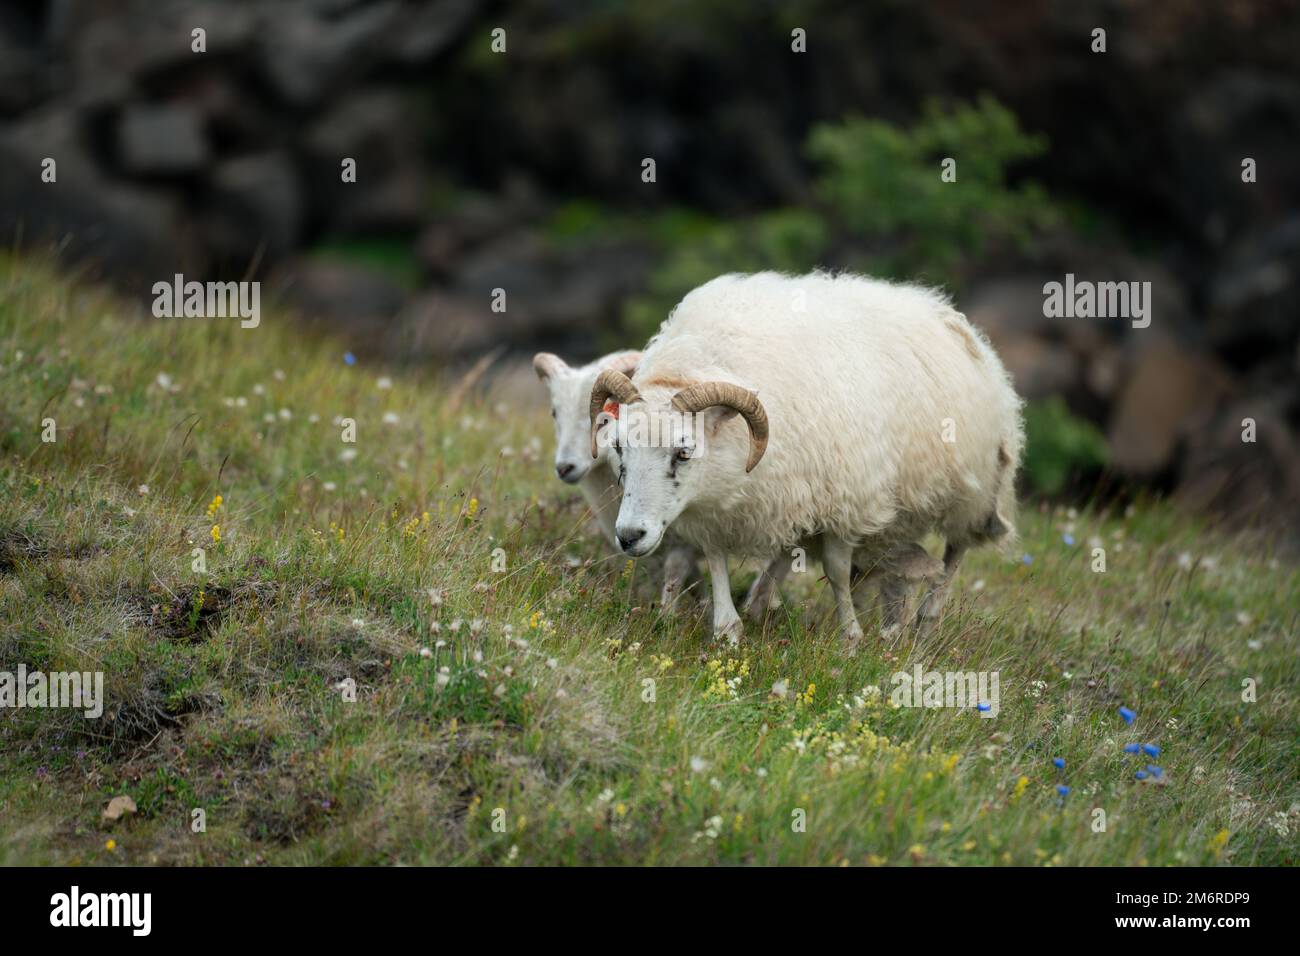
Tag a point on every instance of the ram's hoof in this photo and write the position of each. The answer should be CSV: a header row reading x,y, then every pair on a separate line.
x,y
730,631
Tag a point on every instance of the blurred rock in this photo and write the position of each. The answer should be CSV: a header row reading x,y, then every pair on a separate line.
x,y
1244,481
429,29
136,234
1227,116
450,325
1253,295
337,291
110,46
1171,391
446,240
23,81
555,289
165,139
306,52
255,206
376,128
1040,368
1008,308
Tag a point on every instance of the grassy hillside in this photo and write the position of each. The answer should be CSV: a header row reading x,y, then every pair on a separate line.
x,y
502,712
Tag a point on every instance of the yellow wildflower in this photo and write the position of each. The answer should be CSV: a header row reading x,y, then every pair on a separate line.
x,y
1021,784
216,533
805,699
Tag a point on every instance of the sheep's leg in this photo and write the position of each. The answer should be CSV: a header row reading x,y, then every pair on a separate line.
x,y
765,593
837,560
865,580
726,622
678,567
896,603
934,601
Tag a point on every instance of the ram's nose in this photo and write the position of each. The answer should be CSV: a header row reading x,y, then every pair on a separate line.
x,y
629,538
568,471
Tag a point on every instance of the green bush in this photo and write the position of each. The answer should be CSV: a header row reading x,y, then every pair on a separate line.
x,y
1059,446
881,207
884,184
788,240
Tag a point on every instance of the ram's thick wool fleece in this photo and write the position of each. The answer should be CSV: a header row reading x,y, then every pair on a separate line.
x,y
862,381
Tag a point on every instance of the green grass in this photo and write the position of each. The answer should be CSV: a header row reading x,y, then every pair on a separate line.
x,y
526,732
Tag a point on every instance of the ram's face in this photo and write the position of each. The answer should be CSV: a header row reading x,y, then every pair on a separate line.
x,y
663,465
665,449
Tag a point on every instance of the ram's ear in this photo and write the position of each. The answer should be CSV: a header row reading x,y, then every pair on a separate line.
x,y
625,362
547,366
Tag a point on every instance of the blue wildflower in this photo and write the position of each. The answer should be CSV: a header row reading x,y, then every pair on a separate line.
x,y
1128,715
1058,762
1068,539
1151,750
1062,789
1132,749
1028,559
1141,774
983,707
1155,771
349,358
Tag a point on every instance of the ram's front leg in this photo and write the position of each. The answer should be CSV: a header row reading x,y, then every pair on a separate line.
x,y
726,622
837,560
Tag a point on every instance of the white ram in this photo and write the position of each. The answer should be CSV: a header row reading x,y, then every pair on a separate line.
x,y
876,414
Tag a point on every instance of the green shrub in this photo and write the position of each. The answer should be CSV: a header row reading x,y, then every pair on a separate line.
x,y
881,207
883,183
1059,446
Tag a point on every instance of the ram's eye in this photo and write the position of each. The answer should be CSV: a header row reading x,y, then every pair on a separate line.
x,y
682,454
553,415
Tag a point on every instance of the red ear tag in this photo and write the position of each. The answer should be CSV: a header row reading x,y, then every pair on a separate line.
x,y
611,408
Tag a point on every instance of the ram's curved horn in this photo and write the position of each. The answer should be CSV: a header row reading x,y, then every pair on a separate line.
x,y
696,398
610,384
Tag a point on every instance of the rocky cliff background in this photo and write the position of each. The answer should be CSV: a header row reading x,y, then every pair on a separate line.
x,y
522,170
